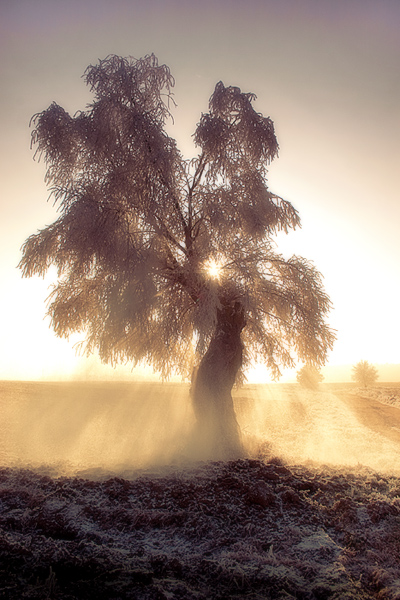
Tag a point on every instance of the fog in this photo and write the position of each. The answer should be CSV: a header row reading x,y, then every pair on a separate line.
x,y
302,426
78,426
89,428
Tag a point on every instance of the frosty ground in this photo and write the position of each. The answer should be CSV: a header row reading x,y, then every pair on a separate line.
x,y
275,525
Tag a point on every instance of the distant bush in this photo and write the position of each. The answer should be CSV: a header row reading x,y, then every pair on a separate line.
x,y
364,373
309,377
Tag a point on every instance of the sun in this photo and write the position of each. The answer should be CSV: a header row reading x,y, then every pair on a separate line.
x,y
213,268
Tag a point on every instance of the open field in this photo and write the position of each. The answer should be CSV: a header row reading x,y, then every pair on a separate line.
x,y
75,427
313,513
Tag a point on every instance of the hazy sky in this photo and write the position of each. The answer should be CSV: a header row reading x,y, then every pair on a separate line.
x,y
326,72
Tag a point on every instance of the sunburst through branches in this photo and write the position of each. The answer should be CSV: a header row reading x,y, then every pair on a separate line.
x,y
214,268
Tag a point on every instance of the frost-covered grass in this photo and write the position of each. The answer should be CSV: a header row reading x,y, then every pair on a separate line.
x,y
245,529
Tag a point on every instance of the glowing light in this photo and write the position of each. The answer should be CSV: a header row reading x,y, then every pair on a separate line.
x,y
214,268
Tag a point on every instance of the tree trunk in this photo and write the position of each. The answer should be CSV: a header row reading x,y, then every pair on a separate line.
x,y
217,433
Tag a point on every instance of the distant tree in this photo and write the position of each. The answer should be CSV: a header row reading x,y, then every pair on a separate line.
x,y
309,377
171,261
364,373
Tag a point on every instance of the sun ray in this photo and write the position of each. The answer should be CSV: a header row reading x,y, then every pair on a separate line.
x,y
214,268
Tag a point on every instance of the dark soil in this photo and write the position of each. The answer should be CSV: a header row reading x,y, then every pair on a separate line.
x,y
248,529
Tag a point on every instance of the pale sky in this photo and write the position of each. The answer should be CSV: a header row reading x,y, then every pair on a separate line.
x,y
326,72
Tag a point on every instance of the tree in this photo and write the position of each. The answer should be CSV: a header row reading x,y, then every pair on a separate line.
x,y
172,261
309,377
364,373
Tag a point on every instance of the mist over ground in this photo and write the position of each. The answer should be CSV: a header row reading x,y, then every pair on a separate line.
x,y
89,428
98,498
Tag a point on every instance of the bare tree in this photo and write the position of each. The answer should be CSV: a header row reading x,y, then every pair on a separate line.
x,y
309,377
171,261
364,373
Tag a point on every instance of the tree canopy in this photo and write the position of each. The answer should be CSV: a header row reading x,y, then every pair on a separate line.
x,y
149,245
364,373
309,377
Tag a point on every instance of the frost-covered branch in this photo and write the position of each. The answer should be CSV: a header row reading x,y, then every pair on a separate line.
x,y
139,226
